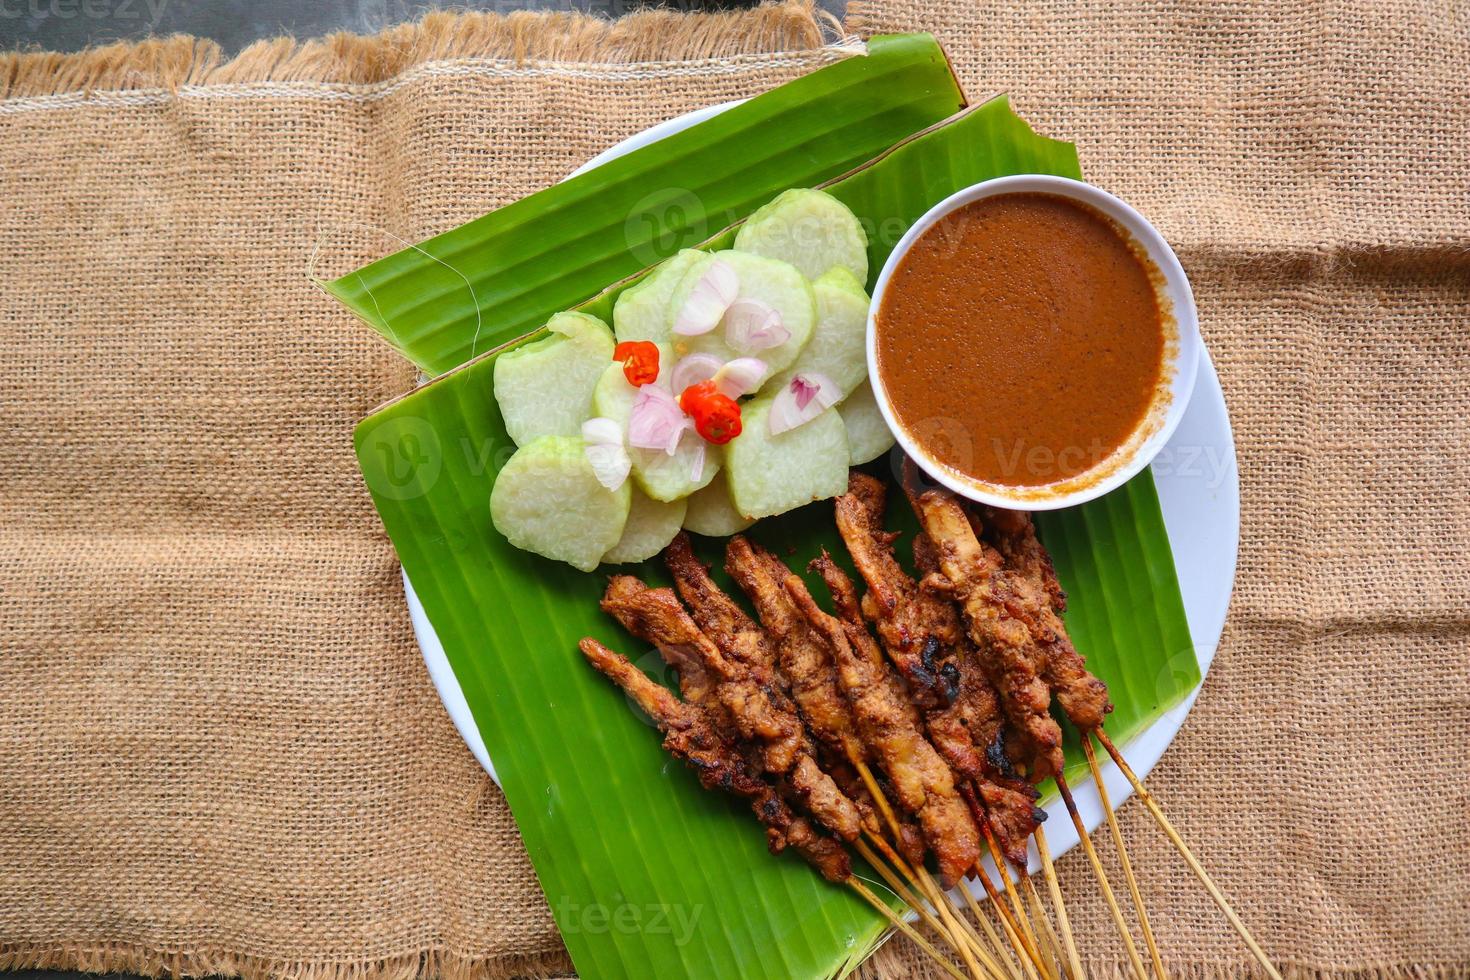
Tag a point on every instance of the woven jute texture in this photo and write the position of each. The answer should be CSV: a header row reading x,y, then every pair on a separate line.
x,y
1309,162
219,750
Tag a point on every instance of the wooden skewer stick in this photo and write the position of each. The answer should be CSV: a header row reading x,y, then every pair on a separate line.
x,y
903,892
1022,920
1053,951
904,927
1102,878
962,929
1017,929
1188,855
1049,870
918,876
1011,932
995,943
1102,792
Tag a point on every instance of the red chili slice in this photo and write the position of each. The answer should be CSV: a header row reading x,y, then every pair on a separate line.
x,y
716,416
640,361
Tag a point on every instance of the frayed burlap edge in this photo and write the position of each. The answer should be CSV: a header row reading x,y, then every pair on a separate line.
x,y
858,21
113,957
651,36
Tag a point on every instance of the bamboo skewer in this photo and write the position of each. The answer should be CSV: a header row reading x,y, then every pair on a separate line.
x,y
908,930
903,892
1047,937
1194,865
990,933
1024,942
1011,932
1124,932
1022,920
1049,870
970,940
919,877
1102,792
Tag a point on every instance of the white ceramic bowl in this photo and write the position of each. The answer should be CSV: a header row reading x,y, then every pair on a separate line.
x,y
1182,357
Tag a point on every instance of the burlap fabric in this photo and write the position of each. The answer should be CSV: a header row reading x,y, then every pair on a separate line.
x,y
1309,162
220,749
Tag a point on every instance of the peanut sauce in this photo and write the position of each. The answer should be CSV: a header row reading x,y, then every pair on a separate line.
x,y
1020,340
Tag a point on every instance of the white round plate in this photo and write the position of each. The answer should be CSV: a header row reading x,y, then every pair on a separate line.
x,y
1199,491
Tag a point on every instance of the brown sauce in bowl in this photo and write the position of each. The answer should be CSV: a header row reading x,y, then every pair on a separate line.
x,y
1020,341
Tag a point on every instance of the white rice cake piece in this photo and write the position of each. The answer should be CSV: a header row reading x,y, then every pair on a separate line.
x,y
651,525
642,310
868,436
771,474
838,347
811,229
545,388
711,513
547,500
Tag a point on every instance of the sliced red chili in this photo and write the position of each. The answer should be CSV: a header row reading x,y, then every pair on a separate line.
x,y
716,416
640,361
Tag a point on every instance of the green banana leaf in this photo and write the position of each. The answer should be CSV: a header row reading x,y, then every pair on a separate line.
x,y
462,293
647,874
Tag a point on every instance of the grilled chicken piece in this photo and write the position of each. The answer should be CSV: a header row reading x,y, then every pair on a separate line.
x,y
805,663
889,726
806,667
922,633
1014,534
689,736
1036,598
720,617
971,574
656,616
917,632
751,690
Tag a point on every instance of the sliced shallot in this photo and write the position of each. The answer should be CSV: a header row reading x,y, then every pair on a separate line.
x,y
693,369
656,421
806,396
711,296
751,325
696,460
604,449
740,376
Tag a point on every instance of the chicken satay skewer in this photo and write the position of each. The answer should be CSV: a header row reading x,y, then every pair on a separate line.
x,y
891,727
1040,601
924,641
1017,536
1218,896
805,664
973,574
689,737
657,616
